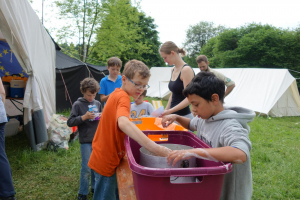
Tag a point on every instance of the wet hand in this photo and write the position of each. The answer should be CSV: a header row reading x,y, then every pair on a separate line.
x,y
178,155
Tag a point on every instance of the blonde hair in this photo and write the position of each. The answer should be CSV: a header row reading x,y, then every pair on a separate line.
x,y
135,66
169,46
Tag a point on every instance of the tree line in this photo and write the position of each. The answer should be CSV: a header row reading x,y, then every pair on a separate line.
x,y
249,46
107,28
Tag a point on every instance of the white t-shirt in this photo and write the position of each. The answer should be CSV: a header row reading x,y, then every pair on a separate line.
x,y
144,109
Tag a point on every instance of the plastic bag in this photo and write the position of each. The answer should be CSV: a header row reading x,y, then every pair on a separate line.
x,y
58,132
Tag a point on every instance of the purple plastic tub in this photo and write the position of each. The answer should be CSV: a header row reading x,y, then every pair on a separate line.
x,y
154,183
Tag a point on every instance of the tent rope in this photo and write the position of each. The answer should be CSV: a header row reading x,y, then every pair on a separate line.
x,y
293,70
66,90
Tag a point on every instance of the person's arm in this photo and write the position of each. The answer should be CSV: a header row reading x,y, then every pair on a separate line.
x,y
169,102
230,84
136,134
229,89
103,98
187,74
225,154
169,119
103,91
2,92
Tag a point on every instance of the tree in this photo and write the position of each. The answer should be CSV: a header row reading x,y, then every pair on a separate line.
x,y
254,45
127,33
83,17
198,35
151,39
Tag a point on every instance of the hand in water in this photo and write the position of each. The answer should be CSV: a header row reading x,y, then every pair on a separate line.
x,y
178,155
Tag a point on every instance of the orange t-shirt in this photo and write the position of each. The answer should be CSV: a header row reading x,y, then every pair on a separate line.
x,y
108,144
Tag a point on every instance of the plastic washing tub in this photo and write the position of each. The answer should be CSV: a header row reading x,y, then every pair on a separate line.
x,y
155,184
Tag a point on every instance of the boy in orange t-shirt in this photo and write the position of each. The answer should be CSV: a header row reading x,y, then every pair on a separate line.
x,y
108,144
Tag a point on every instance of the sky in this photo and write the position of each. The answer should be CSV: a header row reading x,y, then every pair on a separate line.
x,y
173,17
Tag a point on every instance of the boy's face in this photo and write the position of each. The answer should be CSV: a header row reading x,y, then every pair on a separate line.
x,y
203,66
139,100
201,107
114,71
89,96
134,89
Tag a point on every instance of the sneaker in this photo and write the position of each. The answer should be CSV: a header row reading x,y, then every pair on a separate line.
x,y
82,197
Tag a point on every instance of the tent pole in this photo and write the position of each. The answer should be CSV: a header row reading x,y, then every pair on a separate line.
x,y
159,89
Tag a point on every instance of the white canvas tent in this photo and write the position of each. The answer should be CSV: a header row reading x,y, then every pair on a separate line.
x,y
35,51
272,92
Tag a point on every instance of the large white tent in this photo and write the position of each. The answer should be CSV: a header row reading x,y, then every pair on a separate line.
x,y
21,28
272,92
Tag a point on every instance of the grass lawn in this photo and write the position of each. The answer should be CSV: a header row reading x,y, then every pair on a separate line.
x,y
275,158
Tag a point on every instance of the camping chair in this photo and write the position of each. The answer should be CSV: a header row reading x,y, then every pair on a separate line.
x,y
156,104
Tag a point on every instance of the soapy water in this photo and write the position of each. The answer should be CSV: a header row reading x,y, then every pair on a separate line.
x,y
208,156
238,161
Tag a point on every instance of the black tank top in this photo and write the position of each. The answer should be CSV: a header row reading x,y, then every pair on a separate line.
x,y
176,87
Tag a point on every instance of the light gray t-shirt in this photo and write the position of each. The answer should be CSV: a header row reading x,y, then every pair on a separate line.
x,y
144,109
228,82
230,128
3,117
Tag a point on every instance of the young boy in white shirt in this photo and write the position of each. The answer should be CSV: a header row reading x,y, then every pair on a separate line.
x,y
141,108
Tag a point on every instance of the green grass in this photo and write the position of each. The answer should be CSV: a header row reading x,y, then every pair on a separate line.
x,y
275,158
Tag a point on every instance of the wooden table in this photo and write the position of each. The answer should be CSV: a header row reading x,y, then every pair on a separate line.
x,y
125,181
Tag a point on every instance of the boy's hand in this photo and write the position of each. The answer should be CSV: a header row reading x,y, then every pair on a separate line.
x,y
166,112
167,120
88,115
177,155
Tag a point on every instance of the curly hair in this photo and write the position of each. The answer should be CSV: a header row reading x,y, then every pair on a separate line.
x,y
89,84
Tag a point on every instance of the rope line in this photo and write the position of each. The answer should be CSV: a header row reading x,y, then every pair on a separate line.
x,y
66,90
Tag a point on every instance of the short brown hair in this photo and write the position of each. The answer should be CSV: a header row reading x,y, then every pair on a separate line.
x,y
89,84
135,66
114,61
202,58
169,46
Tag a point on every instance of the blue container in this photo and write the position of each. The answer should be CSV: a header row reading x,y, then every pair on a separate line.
x,y
17,92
